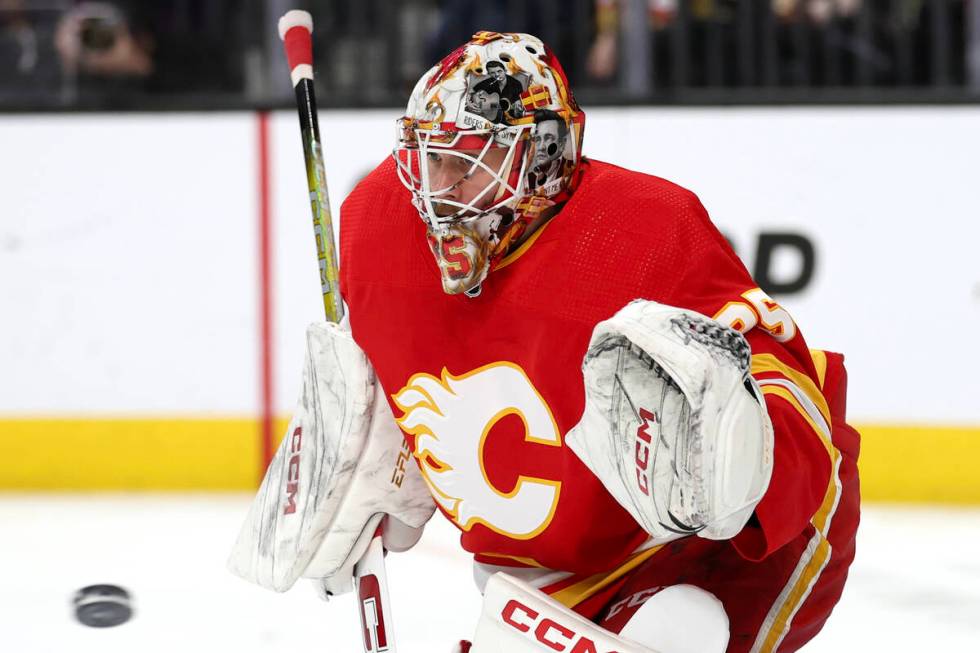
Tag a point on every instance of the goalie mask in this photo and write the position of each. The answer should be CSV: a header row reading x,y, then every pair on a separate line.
x,y
491,138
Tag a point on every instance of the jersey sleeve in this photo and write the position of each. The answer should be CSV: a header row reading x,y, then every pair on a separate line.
x,y
803,486
803,468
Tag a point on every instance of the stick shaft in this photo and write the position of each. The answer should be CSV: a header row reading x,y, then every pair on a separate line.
x,y
374,604
316,181
370,575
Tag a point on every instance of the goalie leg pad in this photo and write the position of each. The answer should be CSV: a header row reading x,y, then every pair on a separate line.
x,y
674,425
680,619
343,465
517,618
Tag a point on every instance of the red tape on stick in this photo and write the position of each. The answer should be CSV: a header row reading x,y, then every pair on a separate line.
x,y
299,47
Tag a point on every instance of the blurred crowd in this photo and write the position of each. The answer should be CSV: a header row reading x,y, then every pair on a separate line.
x,y
118,53
821,43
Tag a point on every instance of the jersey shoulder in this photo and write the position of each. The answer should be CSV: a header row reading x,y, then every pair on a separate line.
x,y
642,203
621,236
649,217
633,183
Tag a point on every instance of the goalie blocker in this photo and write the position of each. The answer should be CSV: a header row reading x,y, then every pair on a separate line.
x,y
341,468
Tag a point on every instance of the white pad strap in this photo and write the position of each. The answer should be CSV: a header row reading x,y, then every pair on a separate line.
x,y
517,618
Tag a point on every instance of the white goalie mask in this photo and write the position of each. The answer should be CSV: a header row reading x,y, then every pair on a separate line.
x,y
491,137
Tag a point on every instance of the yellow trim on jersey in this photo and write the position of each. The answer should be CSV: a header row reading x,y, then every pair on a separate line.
x,y
769,363
526,245
815,557
804,577
530,562
576,593
786,394
820,362
828,505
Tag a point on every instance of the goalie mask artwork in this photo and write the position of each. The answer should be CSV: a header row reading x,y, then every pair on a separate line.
x,y
491,138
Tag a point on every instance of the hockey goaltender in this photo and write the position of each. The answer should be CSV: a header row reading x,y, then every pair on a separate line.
x,y
639,448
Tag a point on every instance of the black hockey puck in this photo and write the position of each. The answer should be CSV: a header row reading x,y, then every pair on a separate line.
x,y
102,606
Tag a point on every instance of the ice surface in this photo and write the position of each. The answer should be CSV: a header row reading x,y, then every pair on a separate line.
x,y
914,587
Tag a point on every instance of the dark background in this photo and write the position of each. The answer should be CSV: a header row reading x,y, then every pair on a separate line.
x,y
58,55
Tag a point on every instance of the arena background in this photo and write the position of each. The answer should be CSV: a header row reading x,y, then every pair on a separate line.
x,y
134,347
157,271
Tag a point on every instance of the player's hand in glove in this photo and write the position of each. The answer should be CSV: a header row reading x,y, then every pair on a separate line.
x,y
674,425
341,469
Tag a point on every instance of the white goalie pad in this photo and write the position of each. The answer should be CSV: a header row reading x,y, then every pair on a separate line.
x,y
343,464
674,425
680,619
517,618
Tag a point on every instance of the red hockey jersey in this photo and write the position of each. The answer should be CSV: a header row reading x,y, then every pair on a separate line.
x,y
489,385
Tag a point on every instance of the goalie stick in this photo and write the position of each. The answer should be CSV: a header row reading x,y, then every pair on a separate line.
x,y
370,576
296,30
